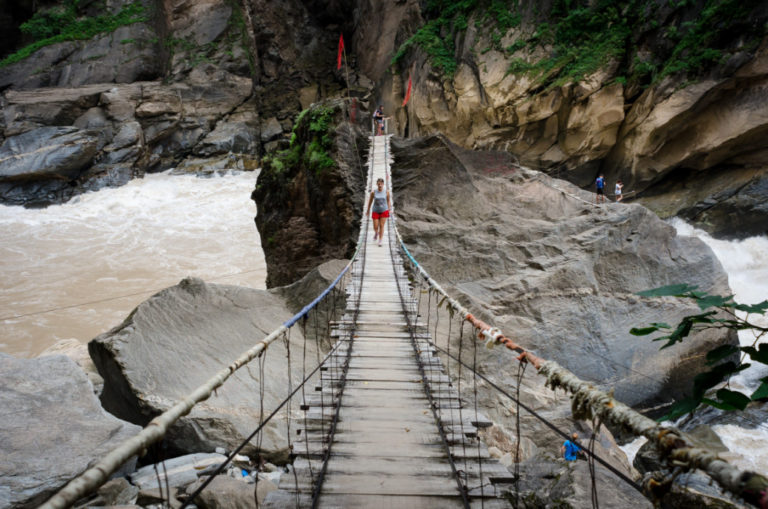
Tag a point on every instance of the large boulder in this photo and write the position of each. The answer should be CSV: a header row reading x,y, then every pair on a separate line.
x,y
47,153
537,258
53,428
179,338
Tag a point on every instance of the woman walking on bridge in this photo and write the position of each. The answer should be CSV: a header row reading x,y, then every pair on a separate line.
x,y
381,203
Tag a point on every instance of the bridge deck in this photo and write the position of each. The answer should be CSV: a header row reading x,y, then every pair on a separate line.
x,y
387,450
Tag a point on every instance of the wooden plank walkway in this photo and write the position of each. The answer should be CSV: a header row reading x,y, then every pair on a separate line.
x,y
387,450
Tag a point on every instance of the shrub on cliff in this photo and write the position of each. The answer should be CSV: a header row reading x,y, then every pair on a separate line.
x,y
62,24
311,141
649,39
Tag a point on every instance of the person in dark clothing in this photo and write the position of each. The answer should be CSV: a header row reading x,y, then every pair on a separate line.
x,y
378,118
600,185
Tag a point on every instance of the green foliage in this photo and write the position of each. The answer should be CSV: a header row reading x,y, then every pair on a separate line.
x,y
63,24
718,312
447,19
440,49
315,127
583,36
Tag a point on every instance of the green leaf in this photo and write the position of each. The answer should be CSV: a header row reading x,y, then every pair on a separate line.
x,y
718,404
756,355
762,391
733,398
643,331
680,408
720,353
762,307
668,291
709,301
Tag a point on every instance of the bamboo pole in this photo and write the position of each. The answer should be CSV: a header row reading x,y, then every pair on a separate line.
x,y
97,475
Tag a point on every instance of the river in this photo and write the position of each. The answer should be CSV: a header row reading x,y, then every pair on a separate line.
x,y
76,270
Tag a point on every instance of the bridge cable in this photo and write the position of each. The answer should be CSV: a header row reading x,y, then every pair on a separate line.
x,y
591,461
257,431
545,421
427,389
520,373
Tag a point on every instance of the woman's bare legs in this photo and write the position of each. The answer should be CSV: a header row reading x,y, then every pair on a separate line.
x,y
382,221
376,228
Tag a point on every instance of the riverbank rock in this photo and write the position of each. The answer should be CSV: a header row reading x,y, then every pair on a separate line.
x,y
537,258
184,335
549,482
175,472
60,142
53,428
78,352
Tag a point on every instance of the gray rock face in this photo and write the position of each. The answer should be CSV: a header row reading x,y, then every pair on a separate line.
x,y
130,53
175,472
271,130
238,137
47,153
181,337
548,482
78,352
53,428
127,130
535,257
226,492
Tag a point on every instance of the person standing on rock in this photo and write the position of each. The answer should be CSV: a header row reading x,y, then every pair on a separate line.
x,y
570,450
600,184
381,203
619,186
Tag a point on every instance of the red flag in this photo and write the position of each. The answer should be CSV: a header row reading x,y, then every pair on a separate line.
x,y
407,92
341,49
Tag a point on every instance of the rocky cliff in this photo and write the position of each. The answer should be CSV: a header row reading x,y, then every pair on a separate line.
x,y
666,96
125,88
310,195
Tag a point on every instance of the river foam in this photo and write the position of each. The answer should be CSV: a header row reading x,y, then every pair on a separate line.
x,y
76,270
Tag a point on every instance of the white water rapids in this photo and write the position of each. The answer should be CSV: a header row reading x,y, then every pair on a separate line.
x,y
76,270
746,262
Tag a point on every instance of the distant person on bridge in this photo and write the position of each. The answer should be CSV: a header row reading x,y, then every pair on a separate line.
x,y
570,450
619,186
381,203
600,185
378,118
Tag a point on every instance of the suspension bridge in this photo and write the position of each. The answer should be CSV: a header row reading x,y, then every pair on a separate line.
x,y
381,421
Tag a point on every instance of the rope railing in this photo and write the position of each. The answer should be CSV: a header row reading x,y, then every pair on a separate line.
x,y
94,477
592,403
